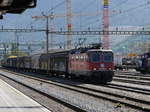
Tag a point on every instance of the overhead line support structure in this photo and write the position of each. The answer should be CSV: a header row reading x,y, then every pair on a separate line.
x,y
21,30
47,26
78,32
102,33
47,34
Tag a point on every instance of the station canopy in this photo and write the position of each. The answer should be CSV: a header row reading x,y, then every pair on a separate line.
x,y
16,6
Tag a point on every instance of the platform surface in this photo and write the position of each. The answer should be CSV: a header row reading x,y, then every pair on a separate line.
x,y
12,100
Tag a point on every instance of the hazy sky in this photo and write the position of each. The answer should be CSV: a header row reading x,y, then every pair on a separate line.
x,y
135,16
122,13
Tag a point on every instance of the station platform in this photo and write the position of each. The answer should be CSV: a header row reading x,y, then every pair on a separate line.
x,y
12,100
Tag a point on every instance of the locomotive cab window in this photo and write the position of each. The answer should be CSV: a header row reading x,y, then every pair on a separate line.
x,y
95,57
81,58
108,57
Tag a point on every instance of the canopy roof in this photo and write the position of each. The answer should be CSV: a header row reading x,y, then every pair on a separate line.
x,y
16,6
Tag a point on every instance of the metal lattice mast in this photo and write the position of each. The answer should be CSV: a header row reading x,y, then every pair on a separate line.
x,y
69,23
105,39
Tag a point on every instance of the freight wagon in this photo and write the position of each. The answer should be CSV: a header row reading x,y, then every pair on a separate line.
x,y
96,65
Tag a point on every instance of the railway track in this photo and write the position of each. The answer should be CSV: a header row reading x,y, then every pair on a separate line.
x,y
129,88
134,78
71,106
133,81
147,78
136,103
132,74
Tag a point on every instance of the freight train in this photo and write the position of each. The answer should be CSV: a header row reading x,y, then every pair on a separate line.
x,y
96,65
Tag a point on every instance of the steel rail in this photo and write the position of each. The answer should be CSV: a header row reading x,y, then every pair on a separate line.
x,y
126,100
141,82
133,77
71,106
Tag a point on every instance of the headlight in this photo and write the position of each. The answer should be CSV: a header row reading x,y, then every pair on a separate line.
x,y
94,68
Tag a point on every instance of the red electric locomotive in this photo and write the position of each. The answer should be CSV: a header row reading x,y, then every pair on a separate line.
x,y
94,64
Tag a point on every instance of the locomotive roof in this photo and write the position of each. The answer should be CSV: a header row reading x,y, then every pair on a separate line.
x,y
100,50
57,51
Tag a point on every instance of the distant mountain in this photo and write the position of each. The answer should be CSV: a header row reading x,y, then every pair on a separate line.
x,y
130,43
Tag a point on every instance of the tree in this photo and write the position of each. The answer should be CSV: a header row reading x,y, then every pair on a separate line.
x,y
15,51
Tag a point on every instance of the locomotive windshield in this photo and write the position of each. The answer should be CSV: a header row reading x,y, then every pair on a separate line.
x,y
101,57
95,57
108,57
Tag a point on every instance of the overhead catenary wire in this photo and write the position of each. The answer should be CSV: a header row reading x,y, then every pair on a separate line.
x,y
125,11
52,9
57,5
87,6
97,20
120,4
132,9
